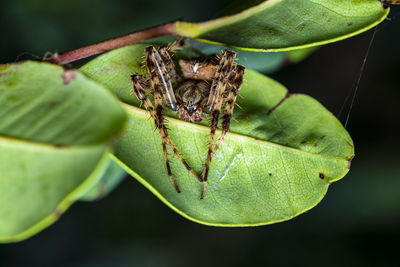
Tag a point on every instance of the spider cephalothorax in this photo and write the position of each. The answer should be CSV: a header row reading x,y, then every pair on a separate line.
x,y
202,85
192,96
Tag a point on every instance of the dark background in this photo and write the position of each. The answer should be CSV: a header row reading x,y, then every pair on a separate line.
x,y
356,224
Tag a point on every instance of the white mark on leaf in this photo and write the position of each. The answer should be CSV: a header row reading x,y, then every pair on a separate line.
x,y
234,161
219,156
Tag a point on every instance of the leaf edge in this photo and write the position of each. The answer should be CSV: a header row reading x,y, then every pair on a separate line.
x,y
66,203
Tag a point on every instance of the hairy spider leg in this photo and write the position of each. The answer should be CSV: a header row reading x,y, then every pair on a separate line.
x,y
178,44
235,82
169,65
159,81
164,53
160,76
214,103
139,83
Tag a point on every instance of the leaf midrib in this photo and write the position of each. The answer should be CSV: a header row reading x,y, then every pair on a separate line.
x,y
137,110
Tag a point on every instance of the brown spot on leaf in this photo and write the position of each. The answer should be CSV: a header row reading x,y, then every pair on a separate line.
x,y
58,213
5,65
59,145
350,144
349,23
101,190
270,174
349,162
300,27
68,76
315,145
321,175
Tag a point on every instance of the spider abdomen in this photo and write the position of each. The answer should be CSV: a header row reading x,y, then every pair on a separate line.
x,y
198,70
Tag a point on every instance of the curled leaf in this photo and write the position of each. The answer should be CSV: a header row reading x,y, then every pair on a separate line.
x,y
111,178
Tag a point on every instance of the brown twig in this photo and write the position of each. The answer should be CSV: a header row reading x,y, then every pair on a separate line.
x,y
94,49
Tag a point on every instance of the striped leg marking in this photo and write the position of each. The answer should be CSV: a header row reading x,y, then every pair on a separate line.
x,y
214,103
230,101
139,83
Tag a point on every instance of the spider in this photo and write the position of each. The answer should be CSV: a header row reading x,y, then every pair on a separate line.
x,y
200,85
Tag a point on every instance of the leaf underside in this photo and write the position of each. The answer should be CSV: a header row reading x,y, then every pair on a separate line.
x,y
269,168
280,25
110,179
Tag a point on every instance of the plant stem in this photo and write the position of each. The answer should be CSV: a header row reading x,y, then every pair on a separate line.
x,y
94,49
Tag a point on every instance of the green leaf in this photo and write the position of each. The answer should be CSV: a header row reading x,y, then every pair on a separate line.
x,y
295,56
45,103
110,179
54,138
280,25
270,167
